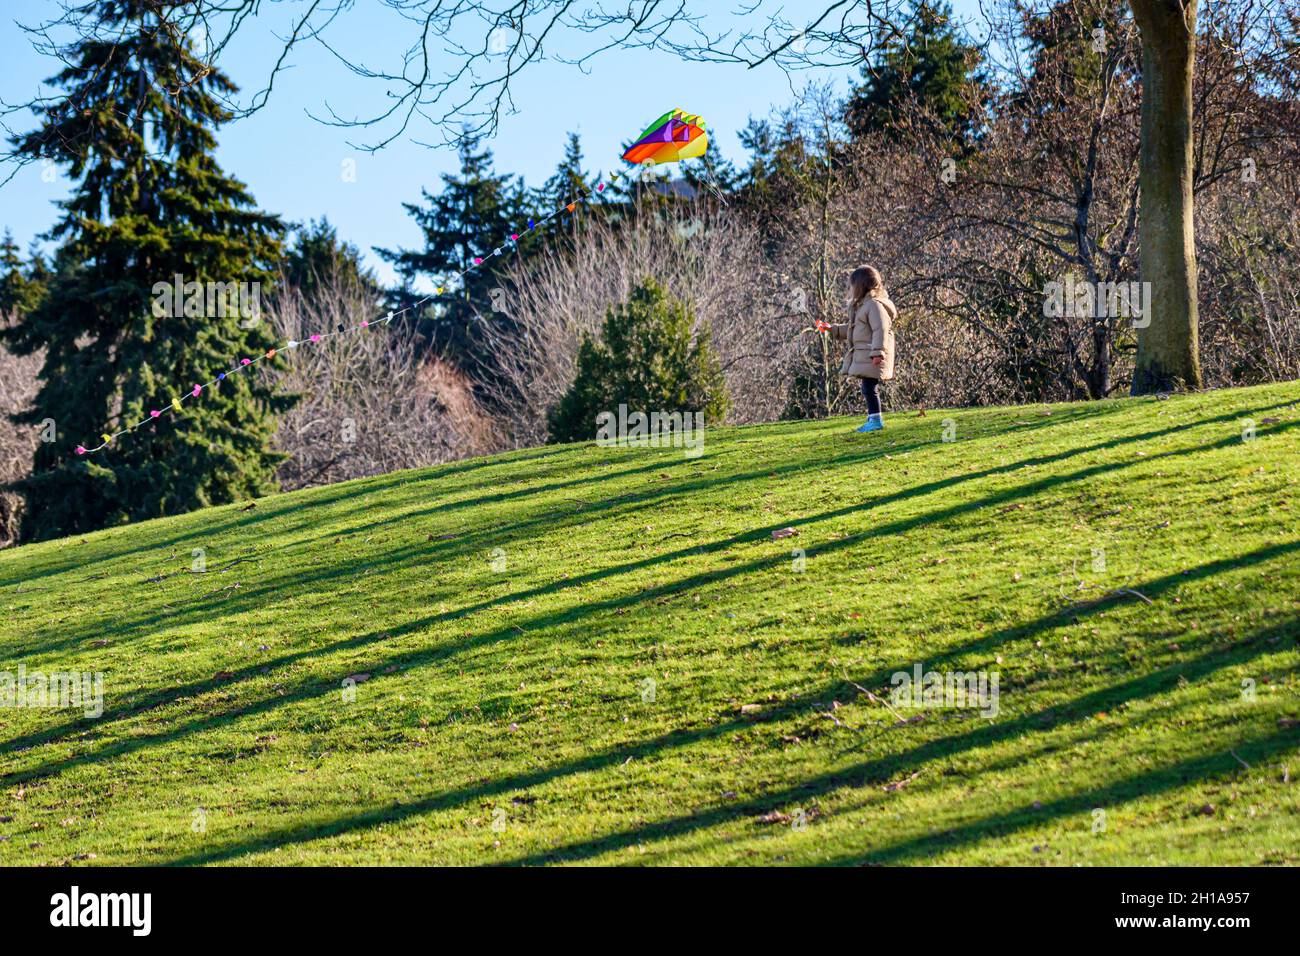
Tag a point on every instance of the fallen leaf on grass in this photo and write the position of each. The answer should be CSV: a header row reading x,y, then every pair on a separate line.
x,y
900,784
776,816
783,533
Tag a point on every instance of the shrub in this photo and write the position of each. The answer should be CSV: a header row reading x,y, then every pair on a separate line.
x,y
647,359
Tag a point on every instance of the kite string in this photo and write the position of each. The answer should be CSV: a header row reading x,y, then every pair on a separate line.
x,y
175,405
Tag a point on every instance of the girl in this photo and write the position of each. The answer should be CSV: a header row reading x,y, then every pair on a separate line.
x,y
870,334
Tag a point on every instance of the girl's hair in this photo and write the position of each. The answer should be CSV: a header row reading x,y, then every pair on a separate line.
x,y
865,281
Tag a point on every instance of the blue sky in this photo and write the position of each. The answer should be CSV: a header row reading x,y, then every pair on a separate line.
x,y
294,164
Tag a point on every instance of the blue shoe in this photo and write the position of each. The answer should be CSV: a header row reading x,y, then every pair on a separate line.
x,y
874,423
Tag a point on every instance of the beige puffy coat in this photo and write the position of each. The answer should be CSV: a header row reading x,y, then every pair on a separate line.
x,y
869,332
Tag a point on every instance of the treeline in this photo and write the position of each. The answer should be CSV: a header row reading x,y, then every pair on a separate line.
x,y
988,183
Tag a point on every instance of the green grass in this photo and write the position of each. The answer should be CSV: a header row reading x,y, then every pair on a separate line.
x,y
515,694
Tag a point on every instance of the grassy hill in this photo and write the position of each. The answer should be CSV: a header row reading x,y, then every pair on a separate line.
x,y
1130,569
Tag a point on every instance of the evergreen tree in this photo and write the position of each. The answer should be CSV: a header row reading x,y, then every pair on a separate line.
x,y
931,68
317,258
22,286
475,213
1068,45
648,360
779,164
569,181
135,129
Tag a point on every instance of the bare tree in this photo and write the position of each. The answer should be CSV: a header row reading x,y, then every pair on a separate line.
x,y
18,387
372,401
1054,181
461,61
711,260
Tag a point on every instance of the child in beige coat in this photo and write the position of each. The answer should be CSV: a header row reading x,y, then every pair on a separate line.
x,y
870,335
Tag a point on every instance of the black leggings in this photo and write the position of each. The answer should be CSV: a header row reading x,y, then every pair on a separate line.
x,y
869,386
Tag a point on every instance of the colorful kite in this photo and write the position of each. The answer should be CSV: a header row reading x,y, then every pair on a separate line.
x,y
672,137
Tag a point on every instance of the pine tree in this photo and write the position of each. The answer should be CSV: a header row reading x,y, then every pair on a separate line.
x,y
932,69
475,213
317,258
135,129
1067,46
646,359
22,285
777,172
569,181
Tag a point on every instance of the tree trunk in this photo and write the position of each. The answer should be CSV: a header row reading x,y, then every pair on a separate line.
x,y
1167,357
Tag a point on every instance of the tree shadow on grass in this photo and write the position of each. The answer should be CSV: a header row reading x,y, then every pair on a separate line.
x,y
311,499
881,770
277,507
1204,766
399,557
497,535
871,772
92,627
569,615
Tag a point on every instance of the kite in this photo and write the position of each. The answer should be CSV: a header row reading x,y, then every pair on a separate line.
x,y
675,136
